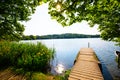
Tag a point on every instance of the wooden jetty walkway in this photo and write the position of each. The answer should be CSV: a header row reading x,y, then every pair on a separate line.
x,y
86,66
8,74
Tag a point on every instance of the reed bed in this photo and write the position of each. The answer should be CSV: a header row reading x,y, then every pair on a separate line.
x,y
25,56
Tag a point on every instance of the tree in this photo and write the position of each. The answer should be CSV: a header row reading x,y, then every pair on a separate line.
x,y
11,13
32,37
105,13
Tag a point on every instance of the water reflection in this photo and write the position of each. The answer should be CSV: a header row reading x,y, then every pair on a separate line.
x,y
59,68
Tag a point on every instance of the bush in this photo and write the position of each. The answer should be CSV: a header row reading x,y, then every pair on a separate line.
x,y
30,57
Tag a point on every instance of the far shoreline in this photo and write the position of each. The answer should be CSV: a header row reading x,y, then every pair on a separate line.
x,y
59,36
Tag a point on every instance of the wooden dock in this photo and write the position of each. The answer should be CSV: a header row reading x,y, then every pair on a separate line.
x,y
86,66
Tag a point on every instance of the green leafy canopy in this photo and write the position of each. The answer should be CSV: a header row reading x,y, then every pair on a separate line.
x,y
12,12
105,13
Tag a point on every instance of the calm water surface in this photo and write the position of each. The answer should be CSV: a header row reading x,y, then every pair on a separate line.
x,y
67,49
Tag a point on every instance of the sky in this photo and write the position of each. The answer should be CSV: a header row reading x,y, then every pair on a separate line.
x,y
42,24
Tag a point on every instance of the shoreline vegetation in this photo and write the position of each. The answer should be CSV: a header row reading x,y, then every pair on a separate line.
x,y
59,36
29,60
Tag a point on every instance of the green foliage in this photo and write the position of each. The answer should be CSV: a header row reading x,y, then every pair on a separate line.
x,y
25,56
38,76
58,77
11,13
103,12
62,77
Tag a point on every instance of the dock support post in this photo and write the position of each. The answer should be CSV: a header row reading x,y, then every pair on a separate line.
x,y
88,45
118,60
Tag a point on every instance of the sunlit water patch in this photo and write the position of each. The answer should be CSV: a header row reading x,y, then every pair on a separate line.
x,y
59,68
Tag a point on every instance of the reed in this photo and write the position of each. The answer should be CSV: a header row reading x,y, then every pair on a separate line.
x,y
26,56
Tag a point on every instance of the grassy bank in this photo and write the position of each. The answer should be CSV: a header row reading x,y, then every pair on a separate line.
x,y
41,76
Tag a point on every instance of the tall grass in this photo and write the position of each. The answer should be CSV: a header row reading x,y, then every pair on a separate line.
x,y
25,56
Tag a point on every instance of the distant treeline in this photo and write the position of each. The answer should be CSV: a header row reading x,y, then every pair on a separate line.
x,y
59,36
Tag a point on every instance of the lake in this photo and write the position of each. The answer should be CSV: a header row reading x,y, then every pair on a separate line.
x,y
67,49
